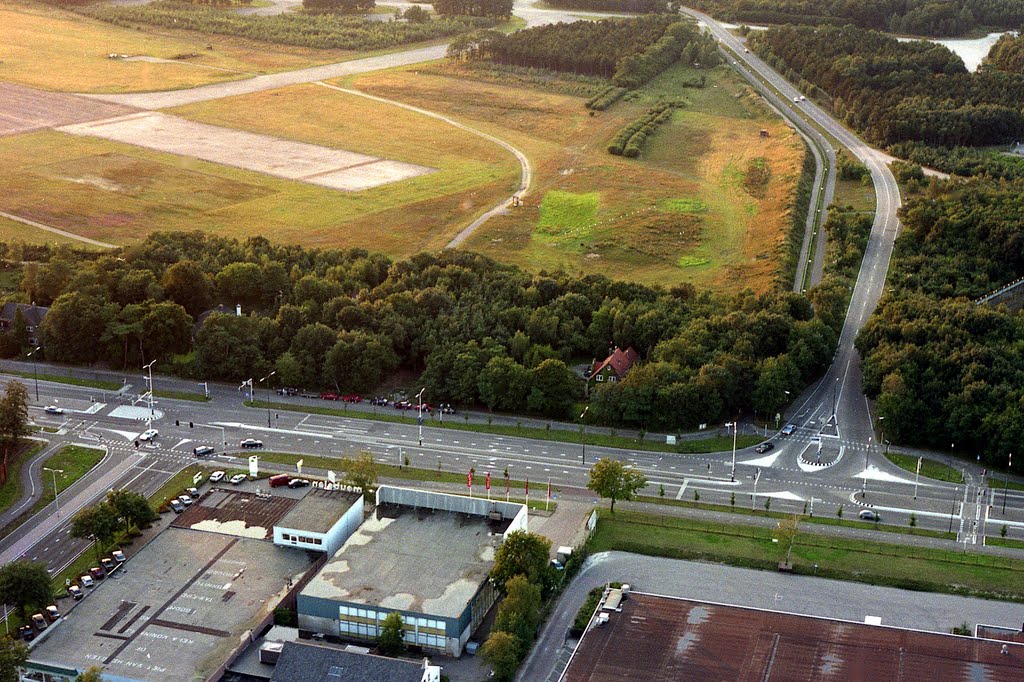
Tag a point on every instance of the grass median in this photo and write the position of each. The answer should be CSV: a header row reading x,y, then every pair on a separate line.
x,y
682,447
10,491
872,562
929,468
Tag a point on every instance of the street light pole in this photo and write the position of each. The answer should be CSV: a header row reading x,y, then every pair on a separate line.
x,y
735,429
55,472
583,434
35,372
419,400
267,379
1006,481
149,367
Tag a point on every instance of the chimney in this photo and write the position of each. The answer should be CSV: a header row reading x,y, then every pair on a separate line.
x,y
238,310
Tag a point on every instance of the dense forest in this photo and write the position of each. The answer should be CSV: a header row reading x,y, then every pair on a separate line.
x,y
632,6
628,51
911,17
1006,55
914,93
944,369
478,331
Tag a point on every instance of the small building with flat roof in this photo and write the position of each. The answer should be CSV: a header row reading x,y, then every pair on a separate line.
x,y
426,555
321,521
304,662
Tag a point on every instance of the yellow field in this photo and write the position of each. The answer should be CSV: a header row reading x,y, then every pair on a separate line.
x,y
56,50
13,231
681,213
120,193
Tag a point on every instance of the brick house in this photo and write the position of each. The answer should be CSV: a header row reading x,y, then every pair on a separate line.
x,y
33,315
615,366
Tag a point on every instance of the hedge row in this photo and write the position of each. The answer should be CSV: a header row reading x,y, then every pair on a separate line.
x,y
627,142
605,98
681,39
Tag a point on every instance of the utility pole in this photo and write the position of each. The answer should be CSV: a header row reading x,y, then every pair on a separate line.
x,y
55,472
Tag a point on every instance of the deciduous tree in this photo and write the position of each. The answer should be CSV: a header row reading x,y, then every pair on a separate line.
x,y
501,651
610,478
24,584
391,641
521,553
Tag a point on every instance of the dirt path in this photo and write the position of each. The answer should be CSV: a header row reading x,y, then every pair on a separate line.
x,y
526,176
55,230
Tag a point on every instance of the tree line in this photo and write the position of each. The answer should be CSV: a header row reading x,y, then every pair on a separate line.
x,y
1006,55
631,6
479,332
912,17
630,52
895,92
946,372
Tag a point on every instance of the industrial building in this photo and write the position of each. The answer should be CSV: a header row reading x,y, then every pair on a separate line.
x,y
304,662
654,639
322,521
423,554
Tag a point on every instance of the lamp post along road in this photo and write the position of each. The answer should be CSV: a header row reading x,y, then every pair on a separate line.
x,y
56,501
149,420
267,379
735,428
35,366
583,435
1006,481
419,401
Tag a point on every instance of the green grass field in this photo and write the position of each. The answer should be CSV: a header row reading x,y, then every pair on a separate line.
x,y
11,490
929,468
872,562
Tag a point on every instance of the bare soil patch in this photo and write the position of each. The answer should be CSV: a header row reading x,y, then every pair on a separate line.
x,y
24,109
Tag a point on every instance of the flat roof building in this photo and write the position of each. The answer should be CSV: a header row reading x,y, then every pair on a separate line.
x,y
177,612
302,662
656,639
423,554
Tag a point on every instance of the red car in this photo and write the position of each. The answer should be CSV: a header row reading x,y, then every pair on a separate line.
x,y
403,405
329,396
352,398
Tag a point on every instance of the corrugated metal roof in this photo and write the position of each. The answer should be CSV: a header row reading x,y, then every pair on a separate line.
x,y
660,639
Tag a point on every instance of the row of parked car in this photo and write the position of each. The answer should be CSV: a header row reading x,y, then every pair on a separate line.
x,y
378,401
76,590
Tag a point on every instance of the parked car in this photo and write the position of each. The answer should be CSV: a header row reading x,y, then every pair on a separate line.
x,y
287,390
119,556
27,633
176,506
279,480
149,434
86,581
194,492
764,447
251,443
298,483
403,405
52,613
185,500
238,478
108,564
329,396
788,429
97,572
53,409
446,408
352,398
380,401
38,621
75,592
868,515
216,476
203,450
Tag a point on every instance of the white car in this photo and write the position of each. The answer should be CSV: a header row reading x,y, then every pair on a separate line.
x,y
53,409
185,500
86,581
149,434
251,443
238,478
216,476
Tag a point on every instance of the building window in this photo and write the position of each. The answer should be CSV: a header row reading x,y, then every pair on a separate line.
x,y
317,541
613,378
600,377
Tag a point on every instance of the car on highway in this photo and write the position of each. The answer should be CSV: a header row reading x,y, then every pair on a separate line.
x,y
75,592
287,390
86,580
27,633
52,613
176,506
119,556
216,476
149,434
238,478
788,429
746,50
764,447
53,409
868,515
203,451
329,396
796,99
185,500
38,621
251,443
298,483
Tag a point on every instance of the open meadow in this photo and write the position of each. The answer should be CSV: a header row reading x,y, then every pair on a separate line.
x,y
706,202
52,49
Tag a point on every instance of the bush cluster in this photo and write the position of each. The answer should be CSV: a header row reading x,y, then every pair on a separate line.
x,y
681,41
630,139
605,98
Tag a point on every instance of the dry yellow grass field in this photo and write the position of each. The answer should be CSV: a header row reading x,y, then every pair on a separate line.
x,y
57,50
680,213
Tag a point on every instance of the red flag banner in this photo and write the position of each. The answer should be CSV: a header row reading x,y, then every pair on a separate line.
x,y
488,482
469,480
527,486
549,488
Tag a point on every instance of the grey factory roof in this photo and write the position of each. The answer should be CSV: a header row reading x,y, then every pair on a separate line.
x,y
177,609
419,560
318,510
301,662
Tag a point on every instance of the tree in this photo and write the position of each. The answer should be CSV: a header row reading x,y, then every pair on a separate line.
x,y
501,651
13,421
610,478
786,533
554,389
166,329
521,553
100,522
186,284
416,15
310,347
13,654
391,641
74,325
361,471
133,508
339,5
240,283
503,384
519,612
359,361
24,584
